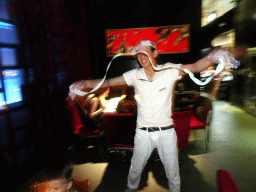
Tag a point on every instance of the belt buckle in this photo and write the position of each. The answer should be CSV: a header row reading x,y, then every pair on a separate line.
x,y
150,129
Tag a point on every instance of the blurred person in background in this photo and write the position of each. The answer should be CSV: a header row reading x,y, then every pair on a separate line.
x,y
128,104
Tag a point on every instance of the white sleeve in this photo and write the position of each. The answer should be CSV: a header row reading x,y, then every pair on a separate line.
x,y
129,76
178,76
175,74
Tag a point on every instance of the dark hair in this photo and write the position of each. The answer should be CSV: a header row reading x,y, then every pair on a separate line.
x,y
129,93
59,170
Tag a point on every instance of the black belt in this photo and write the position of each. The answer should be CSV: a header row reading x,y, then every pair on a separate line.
x,y
152,129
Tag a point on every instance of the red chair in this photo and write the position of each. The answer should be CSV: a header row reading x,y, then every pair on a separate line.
x,y
226,182
83,127
202,121
120,130
196,124
181,124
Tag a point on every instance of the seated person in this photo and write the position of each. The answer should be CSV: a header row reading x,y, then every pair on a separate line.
x,y
94,108
58,177
128,104
91,107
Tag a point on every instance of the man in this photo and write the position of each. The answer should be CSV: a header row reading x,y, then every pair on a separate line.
x,y
155,127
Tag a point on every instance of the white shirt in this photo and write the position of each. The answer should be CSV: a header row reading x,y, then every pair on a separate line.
x,y
154,99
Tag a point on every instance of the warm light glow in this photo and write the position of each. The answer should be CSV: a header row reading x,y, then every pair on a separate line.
x,y
111,105
211,17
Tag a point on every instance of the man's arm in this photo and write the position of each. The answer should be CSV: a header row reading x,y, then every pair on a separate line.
x,y
239,53
198,66
87,85
116,81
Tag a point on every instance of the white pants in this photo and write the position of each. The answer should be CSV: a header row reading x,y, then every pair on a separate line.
x,y
166,143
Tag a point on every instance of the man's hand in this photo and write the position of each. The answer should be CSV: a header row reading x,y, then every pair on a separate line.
x,y
88,85
79,85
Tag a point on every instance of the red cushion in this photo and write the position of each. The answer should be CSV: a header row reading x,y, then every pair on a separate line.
x,y
181,122
120,129
82,130
195,123
83,102
78,126
226,182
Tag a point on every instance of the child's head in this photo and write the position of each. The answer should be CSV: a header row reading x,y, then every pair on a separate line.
x,y
59,177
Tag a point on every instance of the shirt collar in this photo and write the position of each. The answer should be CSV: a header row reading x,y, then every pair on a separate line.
x,y
141,75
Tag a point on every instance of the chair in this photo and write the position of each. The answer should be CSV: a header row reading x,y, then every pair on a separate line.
x,y
120,132
203,120
181,125
226,182
83,128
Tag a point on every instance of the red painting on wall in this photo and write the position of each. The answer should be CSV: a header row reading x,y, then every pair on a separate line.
x,y
169,39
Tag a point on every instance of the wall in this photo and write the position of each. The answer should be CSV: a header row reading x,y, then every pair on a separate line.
x,y
136,14
245,22
243,94
58,45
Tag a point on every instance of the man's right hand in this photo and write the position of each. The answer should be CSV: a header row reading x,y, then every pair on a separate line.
x,y
79,85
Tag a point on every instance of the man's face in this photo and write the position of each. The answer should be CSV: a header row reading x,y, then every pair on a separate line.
x,y
58,185
143,58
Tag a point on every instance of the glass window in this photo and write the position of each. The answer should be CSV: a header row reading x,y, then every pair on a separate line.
x,y
13,79
8,57
4,14
2,101
8,33
1,86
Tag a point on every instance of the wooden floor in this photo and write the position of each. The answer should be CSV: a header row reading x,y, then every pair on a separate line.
x,y
232,147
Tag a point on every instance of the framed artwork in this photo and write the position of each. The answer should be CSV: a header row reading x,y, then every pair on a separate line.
x,y
168,39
